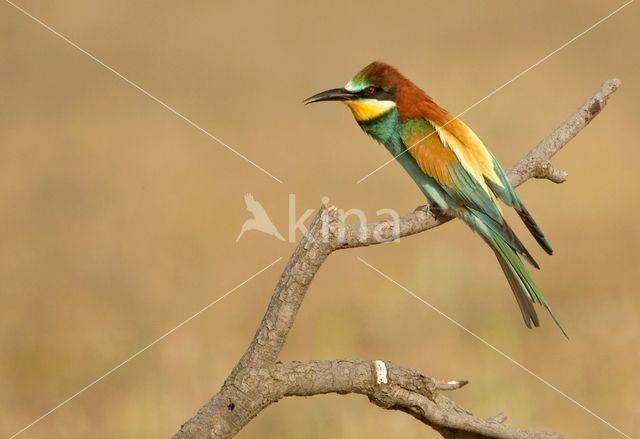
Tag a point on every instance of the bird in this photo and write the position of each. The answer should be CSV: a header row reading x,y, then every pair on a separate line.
x,y
453,168
260,220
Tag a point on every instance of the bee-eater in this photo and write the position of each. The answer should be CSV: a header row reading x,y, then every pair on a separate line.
x,y
449,163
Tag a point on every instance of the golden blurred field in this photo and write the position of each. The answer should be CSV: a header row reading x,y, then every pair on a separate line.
x,y
118,220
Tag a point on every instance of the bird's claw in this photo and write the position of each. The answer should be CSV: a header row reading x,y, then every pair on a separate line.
x,y
429,209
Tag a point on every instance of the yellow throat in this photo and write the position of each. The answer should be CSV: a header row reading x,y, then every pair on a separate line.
x,y
367,109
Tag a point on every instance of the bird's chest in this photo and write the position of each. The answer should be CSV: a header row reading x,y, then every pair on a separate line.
x,y
384,129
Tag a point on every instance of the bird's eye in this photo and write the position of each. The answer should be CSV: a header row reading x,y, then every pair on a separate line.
x,y
370,91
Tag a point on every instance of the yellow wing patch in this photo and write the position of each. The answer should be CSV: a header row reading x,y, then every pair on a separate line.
x,y
470,151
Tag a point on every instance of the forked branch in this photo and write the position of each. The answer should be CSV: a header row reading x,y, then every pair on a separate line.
x,y
259,380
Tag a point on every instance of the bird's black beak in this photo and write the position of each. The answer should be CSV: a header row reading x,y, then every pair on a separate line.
x,y
335,94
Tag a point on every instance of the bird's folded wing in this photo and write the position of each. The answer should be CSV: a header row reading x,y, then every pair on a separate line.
x,y
463,173
458,169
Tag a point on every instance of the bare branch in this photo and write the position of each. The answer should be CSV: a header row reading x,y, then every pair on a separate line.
x,y
404,389
258,380
550,145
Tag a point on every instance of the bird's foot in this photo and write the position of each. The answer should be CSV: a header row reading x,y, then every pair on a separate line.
x,y
430,209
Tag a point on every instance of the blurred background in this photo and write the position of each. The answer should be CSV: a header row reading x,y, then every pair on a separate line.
x,y
118,220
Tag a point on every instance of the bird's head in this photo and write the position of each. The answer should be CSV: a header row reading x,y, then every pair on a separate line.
x,y
372,92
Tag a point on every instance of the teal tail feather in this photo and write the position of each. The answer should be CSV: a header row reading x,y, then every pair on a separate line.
x,y
507,193
533,227
524,288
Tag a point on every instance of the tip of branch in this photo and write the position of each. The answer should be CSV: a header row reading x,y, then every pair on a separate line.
x,y
547,171
613,83
451,385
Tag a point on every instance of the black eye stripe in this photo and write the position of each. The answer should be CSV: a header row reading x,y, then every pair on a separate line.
x,y
377,93
370,91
